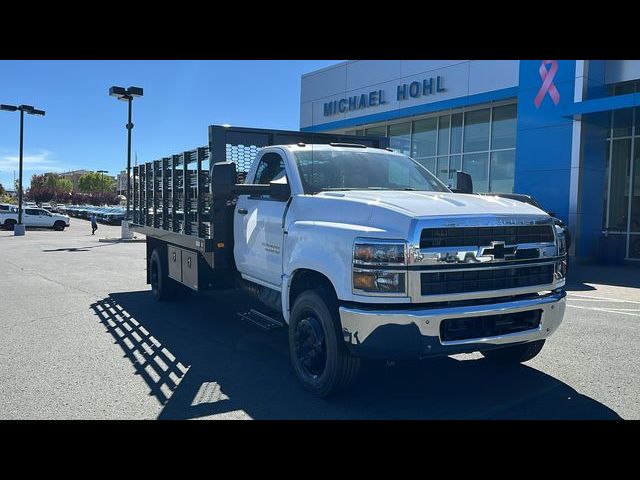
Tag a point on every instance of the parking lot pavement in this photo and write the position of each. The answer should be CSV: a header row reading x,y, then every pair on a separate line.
x,y
81,337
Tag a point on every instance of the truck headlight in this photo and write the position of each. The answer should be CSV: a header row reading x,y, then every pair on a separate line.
x,y
370,259
376,281
366,252
561,244
561,241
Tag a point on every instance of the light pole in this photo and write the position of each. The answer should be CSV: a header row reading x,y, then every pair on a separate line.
x,y
19,228
127,94
102,182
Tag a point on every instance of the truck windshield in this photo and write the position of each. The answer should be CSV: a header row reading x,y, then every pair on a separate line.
x,y
323,170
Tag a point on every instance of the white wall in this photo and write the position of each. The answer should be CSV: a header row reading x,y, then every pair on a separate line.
x,y
460,78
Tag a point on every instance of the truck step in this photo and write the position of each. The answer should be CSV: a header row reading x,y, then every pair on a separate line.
x,y
261,320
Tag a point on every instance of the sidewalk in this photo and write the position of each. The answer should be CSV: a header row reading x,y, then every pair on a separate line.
x,y
620,281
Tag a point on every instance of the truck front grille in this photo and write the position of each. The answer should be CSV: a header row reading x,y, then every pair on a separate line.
x,y
466,328
464,281
483,236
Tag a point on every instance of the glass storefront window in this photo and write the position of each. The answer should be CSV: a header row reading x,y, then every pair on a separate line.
x,y
476,165
622,122
483,138
476,130
503,127
625,88
378,131
400,137
619,185
502,171
455,164
428,163
443,135
456,133
635,196
424,137
443,169
606,185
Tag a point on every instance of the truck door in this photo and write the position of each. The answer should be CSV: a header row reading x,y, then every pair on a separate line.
x,y
45,219
31,217
258,226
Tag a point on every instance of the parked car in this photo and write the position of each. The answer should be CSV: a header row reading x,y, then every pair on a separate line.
x,y
34,217
7,207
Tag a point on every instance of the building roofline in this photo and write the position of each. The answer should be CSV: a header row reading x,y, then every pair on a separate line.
x,y
329,67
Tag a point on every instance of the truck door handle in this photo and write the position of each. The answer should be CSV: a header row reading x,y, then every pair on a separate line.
x,y
243,211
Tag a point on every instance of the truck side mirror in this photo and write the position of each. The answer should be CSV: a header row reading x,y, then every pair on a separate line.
x,y
223,179
463,183
280,189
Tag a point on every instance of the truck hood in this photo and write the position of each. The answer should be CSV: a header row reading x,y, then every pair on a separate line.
x,y
423,204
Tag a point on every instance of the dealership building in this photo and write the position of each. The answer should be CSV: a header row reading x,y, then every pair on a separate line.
x,y
566,132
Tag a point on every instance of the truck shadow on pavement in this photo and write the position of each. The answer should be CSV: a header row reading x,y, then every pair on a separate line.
x,y
198,359
580,277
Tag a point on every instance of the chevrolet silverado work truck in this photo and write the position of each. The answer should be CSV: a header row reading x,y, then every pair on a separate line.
x,y
358,250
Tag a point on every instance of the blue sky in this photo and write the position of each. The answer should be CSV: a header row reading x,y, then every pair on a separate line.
x,y
85,128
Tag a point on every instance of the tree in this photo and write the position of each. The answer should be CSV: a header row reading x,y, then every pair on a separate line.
x,y
94,182
4,196
37,181
49,186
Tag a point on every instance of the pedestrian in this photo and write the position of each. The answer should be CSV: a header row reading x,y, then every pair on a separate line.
x,y
94,224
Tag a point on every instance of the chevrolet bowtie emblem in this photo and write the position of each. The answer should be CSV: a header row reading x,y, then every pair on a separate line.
x,y
499,251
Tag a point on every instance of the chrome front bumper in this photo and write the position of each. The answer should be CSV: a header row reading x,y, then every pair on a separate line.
x,y
415,333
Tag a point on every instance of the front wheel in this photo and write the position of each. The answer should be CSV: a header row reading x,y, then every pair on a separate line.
x,y
59,226
10,224
319,358
514,354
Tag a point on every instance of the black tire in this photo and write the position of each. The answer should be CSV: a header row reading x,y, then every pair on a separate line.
x,y
59,226
10,224
514,354
319,358
162,288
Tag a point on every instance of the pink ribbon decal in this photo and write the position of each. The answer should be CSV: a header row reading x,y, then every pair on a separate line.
x,y
547,77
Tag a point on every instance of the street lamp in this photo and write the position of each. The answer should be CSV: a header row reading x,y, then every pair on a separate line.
x,y
127,94
102,182
19,228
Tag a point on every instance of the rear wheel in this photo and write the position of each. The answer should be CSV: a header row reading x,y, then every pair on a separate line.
x,y
160,286
318,356
59,226
10,224
514,354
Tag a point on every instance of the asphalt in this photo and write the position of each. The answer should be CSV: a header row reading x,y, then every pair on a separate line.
x,y
81,337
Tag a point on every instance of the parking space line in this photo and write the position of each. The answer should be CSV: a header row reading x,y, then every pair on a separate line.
x,y
607,310
585,297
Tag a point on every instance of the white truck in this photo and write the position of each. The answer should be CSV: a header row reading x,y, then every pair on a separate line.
x,y
33,217
359,251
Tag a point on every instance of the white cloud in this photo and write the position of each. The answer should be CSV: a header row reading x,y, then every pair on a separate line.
x,y
40,161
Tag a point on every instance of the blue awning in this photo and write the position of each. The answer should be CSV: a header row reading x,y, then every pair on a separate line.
x,y
605,104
